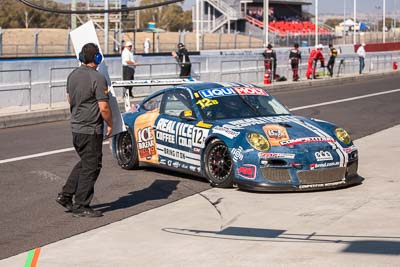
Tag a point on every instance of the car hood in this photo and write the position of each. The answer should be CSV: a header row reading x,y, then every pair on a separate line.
x,y
285,131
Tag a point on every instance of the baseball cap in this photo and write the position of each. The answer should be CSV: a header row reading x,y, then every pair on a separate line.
x,y
128,44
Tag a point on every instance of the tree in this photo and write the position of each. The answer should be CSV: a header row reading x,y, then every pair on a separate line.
x,y
13,14
333,22
170,17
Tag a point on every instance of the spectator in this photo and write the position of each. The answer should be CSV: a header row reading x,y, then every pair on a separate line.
x,y
128,66
315,55
294,60
361,57
332,56
182,57
87,94
270,60
146,46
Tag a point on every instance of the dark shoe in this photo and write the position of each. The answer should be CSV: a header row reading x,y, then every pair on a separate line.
x,y
86,212
64,201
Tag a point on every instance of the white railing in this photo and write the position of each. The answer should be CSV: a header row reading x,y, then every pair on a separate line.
x,y
226,9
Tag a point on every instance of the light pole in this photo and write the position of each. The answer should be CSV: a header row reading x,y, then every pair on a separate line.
x,y
266,21
354,22
344,21
106,28
73,16
197,25
316,22
384,22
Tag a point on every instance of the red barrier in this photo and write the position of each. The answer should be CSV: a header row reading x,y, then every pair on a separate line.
x,y
379,47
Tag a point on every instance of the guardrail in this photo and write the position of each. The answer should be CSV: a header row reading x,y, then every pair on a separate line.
x,y
248,70
28,88
53,84
241,69
348,65
151,68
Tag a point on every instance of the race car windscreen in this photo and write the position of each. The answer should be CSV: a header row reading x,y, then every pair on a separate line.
x,y
223,103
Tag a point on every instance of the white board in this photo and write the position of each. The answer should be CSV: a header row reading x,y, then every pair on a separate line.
x,y
82,35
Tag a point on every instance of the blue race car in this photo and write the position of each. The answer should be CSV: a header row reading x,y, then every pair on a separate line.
x,y
236,134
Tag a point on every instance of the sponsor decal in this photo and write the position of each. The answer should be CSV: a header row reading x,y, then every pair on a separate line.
x,y
216,92
275,134
176,164
163,161
225,132
307,186
187,113
237,153
314,166
178,155
145,143
323,155
263,155
179,133
196,95
297,141
206,102
204,125
169,163
184,166
194,168
350,149
247,171
196,150
250,91
261,120
145,137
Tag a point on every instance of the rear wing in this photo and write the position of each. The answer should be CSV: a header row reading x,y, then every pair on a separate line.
x,y
153,82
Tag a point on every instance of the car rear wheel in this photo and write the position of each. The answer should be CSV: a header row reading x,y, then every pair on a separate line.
x,y
126,150
218,164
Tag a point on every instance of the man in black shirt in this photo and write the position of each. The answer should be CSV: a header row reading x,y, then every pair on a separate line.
x,y
294,59
87,93
270,60
182,57
332,56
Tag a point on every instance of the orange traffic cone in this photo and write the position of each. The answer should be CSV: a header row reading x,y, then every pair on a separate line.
x,y
267,80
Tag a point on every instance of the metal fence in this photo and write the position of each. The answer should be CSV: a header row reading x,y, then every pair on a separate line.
x,y
23,86
249,70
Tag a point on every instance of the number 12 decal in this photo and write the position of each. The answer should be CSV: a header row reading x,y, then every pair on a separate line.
x,y
206,102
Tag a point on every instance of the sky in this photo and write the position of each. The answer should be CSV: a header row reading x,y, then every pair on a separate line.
x,y
364,6
325,6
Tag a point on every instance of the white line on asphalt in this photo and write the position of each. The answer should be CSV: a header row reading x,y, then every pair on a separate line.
x,y
292,109
345,100
41,154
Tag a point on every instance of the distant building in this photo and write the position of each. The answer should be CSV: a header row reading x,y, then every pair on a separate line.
x,y
240,15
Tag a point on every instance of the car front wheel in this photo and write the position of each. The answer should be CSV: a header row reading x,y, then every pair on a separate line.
x,y
126,150
218,164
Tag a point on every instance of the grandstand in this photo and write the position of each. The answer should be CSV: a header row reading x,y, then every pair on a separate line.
x,y
285,17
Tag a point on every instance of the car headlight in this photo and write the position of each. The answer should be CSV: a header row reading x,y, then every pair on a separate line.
x,y
258,141
343,136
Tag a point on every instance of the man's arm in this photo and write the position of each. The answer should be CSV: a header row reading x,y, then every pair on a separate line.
x,y
106,113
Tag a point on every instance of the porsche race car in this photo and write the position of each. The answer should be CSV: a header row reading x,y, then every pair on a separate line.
x,y
236,134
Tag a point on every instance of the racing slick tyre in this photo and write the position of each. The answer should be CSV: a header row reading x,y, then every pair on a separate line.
x,y
218,164
126,150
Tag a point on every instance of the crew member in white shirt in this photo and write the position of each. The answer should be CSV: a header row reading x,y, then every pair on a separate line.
x,y
361,56
128,66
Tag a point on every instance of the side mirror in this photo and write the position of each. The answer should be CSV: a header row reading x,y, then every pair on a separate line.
x,y
187,115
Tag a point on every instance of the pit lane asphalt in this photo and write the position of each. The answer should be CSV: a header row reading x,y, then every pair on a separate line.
x,y
31,218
